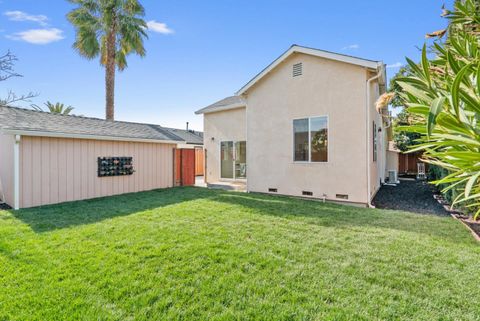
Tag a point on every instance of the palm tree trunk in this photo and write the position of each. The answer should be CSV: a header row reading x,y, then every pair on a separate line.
x,y
110,75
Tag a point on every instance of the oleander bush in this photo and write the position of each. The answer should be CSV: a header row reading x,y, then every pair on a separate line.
x,y
443,94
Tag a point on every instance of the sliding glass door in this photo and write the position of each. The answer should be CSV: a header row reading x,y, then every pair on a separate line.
x,y
226,160
233,160
241,160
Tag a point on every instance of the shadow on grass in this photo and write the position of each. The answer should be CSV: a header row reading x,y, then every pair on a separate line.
x,y
64,215
48,218
348,217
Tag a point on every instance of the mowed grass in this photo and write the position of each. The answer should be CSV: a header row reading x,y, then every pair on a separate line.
x,y
197,254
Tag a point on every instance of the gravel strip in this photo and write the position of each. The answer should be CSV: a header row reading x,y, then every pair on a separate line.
x,y
411,196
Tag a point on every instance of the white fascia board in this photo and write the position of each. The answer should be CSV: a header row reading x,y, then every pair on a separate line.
x,y
220,108
85,136
313,52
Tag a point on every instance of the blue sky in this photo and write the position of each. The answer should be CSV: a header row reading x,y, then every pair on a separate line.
x,y
201,51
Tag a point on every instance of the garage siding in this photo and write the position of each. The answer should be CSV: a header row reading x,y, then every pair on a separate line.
x,y
55,170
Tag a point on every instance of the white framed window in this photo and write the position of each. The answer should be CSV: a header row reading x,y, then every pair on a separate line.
x,y
310,139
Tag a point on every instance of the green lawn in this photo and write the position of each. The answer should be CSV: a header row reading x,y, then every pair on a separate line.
x,y
197,254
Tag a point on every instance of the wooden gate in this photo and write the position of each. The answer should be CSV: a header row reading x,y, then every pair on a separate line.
x,y
199,162
184,167
407,163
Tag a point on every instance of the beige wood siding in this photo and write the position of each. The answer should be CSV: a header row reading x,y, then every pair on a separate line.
x,y
6,167
55,170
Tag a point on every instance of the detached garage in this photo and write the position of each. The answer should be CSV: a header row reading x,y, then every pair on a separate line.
x,y
50,158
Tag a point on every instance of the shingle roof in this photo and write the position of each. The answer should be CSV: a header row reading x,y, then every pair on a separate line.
x,y
224,104
19,119
190,136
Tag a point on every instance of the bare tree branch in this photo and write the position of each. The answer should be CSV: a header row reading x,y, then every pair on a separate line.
x,y
13,98
7,62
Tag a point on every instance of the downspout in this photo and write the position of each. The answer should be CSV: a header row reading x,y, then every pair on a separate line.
x,y
16,173
367,107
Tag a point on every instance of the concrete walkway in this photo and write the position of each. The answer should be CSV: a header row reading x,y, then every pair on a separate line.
x,y
228,186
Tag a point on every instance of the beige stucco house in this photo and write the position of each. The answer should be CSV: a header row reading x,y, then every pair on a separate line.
x,y
304,126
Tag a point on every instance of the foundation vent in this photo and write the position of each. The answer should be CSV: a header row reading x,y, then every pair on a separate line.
x,y
272,190
342,196
307,193
297,69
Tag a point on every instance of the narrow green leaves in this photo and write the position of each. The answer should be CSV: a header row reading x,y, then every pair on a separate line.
x,y
455,90
426,65
435,109
469,185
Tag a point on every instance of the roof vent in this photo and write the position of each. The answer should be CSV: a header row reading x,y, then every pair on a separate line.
x,y
297,69
273,190
307,193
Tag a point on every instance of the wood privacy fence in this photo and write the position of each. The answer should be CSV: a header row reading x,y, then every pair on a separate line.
x,y
199,162
407,163
184,167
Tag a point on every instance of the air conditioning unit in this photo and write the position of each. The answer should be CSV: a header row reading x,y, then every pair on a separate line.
x,y
393,177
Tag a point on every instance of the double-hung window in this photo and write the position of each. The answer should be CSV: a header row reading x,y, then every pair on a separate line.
x,y
310,139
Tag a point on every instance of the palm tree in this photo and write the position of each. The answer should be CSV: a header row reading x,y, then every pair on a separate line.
x,y
111,29
57,108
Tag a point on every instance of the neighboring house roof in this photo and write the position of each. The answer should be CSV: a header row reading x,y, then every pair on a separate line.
x,y
392,147
37,123
231,102
189,136
372,64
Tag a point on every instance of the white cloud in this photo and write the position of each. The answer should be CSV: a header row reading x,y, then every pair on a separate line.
x,y
159,27
395,65
23,16
351,47
38,36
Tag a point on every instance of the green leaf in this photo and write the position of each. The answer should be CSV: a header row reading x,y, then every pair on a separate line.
x,y
416,70
470,183
415,81
475,217
414,91
473,102
455,90
426,65
452,63
459,138
435,109
422,110
478,79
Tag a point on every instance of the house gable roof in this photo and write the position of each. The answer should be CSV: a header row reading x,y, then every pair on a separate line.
x,y
237,101
37,123
371,64
228,103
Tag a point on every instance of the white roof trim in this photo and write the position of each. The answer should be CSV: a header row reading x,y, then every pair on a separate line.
x,y
86,136
313,52
220,108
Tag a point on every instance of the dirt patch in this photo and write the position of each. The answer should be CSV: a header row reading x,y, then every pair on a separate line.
x,y
411,196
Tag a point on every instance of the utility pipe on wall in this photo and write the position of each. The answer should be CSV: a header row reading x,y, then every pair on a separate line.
x,y
367,106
